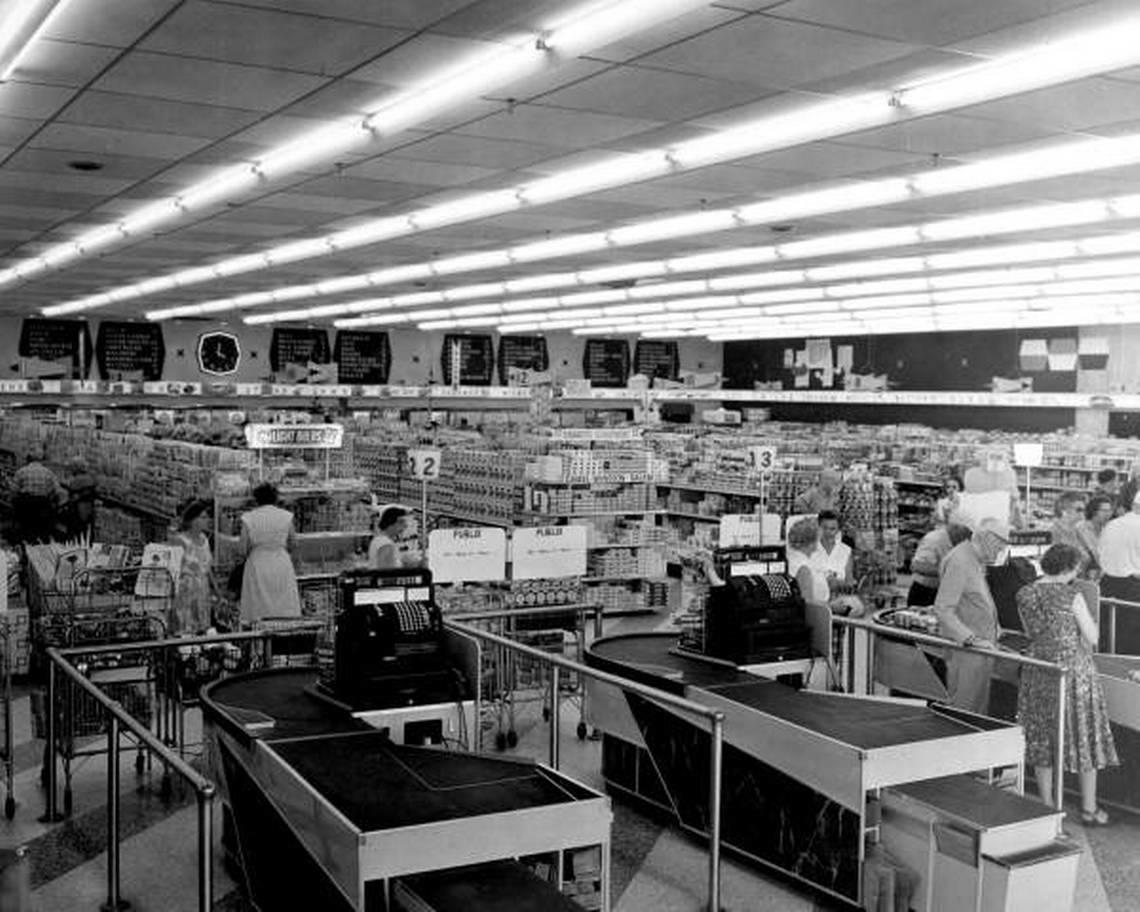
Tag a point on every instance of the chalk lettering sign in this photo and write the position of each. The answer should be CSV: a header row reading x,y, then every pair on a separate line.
x,y
525,352
605,362
362,357
476,359
65,343
127,349
657,358
292,345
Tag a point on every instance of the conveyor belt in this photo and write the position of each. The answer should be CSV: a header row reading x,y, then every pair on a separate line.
x,y
652,659
279,694
972,800
862,723
379,785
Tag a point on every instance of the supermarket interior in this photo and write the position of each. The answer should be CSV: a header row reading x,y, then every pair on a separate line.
x,y
569,454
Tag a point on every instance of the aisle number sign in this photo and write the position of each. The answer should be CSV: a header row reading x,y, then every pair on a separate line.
x,y
425,463
762,458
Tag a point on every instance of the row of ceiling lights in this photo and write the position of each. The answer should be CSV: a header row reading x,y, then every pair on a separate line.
x,y
1097,51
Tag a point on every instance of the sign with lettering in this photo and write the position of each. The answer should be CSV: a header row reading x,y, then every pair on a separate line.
x,y
545,552
130,348
526,352
294,436
748,530
657,358
467,555
362,357
64,344
294,345
605,362
474,355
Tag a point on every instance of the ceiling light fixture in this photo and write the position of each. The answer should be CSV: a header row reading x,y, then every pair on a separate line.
x,y
19,30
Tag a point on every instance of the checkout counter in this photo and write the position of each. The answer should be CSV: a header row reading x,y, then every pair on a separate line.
x,y
340,795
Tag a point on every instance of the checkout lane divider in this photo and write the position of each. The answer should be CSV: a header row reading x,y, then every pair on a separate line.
x,y
874,631
715,720
118,718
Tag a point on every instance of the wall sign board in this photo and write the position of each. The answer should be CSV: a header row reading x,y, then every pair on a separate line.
x,y
525,352
123,349
476,359
292,345
362,357
657,358
605,362
64,342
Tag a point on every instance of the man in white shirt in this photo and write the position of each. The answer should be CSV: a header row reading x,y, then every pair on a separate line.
x,y
1120,563
832,557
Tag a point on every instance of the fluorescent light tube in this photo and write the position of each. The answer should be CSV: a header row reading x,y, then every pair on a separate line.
x,y
26,21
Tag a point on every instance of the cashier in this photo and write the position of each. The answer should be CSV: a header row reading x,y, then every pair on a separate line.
x,y
384,550
832,556
967,613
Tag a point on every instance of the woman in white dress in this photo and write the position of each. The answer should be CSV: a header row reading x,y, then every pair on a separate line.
x,y
269,582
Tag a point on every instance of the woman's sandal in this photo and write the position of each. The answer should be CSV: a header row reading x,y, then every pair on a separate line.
x,y
1097,818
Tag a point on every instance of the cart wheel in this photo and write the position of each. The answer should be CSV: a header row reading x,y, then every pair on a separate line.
x,y
582,731
10,807
166,789
546,714
67,802
500,741
512,738
140,762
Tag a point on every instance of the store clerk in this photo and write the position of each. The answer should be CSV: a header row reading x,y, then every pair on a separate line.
x,y
384,550
833,557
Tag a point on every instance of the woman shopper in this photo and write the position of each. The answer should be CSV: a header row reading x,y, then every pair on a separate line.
x,y
196,587
269,582
1062,630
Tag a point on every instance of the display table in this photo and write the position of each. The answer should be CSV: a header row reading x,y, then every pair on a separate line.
x,y
803,771
329,811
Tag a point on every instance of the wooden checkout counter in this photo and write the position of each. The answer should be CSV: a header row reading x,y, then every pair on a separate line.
x,y
819,784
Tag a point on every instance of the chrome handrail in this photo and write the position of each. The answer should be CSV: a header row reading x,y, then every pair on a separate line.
x,y
714,717
874,630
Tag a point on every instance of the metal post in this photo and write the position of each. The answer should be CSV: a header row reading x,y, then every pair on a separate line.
x,y
555,683
50,748
114,902
205,850
1059,760
423,516
716,752
1111,625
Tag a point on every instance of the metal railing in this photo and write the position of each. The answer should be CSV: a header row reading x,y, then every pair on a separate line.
x,y
120,721
874,630
1113,604
715,719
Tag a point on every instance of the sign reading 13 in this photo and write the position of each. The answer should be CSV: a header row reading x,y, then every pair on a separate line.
x,y
763,458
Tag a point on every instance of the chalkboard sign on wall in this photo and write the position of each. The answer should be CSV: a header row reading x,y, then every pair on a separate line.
x,y
476,359
291,345
129,350
66,342
657,358
606,362
362,357
525,352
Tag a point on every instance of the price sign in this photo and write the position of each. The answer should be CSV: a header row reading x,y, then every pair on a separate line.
x,y
467,555
548,551
762,458
425,463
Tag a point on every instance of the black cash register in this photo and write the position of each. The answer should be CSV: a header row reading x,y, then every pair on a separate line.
x,y
388,649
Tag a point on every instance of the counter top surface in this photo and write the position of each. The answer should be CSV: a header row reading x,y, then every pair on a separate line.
x,y
975,802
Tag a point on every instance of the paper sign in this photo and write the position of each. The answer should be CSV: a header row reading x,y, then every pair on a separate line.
x,y
739,530
1028,454
294,437
425,463
467,555
548,551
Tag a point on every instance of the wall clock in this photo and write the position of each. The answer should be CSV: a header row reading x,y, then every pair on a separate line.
x,y
218,353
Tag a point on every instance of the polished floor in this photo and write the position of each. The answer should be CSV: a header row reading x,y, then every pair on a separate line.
x,y
654,867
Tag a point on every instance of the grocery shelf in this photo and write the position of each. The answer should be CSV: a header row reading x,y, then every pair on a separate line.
x,y
706,489
698,516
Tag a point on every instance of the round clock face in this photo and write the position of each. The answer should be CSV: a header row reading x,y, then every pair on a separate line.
x,y
218,353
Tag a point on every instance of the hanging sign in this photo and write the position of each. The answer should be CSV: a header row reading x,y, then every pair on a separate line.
x,y
467,555
548,551
294,436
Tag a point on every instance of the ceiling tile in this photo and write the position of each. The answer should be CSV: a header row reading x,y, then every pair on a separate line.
x,y
948,135
114,167
423,58
425,173
1078,106
154,115
832,160
775,53
406,14
93,141
94,185
569,129
454,148
114,23
661,95
15,130
269,38
23,99
206,81
357,188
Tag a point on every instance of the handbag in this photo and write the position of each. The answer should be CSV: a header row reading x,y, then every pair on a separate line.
x,y
234,581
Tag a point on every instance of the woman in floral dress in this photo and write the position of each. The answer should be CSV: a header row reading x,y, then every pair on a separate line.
x,y
1062,630
196,586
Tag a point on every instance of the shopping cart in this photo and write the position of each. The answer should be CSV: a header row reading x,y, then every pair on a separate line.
x,y
102,607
